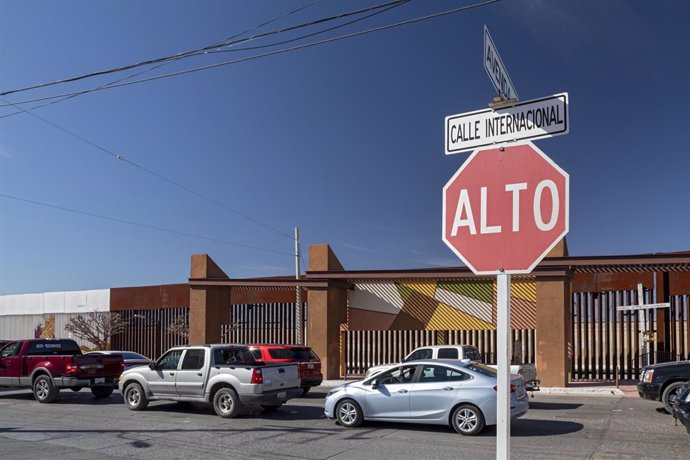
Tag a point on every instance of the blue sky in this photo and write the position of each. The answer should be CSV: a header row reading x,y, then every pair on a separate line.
x,y
343,139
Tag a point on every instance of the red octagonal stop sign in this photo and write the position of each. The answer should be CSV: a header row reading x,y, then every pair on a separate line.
x,y
503,211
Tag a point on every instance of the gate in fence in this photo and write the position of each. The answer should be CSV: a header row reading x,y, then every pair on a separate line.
x,y
264,323
366,348
610,344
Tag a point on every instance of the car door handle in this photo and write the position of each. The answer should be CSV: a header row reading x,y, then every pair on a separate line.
x,y
448,388
402,391
172,373
199,374
281,371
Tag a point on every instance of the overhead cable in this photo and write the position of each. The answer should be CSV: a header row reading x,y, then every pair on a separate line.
x,y
271,53
137,224
204,49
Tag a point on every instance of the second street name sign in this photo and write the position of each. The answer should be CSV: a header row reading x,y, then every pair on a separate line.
x,y
535,119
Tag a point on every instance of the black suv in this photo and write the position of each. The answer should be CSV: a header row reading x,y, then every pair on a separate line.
x,y
661,381
681,406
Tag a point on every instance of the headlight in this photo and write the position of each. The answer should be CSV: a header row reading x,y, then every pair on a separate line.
x,y
333,391
687,397
648,375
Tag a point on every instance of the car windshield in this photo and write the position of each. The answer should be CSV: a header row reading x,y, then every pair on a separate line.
x,y
482,369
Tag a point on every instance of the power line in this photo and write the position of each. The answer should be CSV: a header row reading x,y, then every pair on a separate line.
x,y
148,171
137,224
272,53
150,69
204,49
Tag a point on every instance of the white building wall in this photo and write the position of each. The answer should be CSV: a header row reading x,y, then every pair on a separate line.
x,y
55,302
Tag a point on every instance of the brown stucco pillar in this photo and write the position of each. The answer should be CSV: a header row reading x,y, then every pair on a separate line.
x,y
554,331
327,309
209,306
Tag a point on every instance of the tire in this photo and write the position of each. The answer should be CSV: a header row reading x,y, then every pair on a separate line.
x,y
101,392
270,407
44,389
349,414
305,390
467,420
226,403
671,389
135,397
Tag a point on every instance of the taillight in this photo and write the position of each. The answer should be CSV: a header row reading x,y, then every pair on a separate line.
x,y
122,367
513,388
71,368
257,377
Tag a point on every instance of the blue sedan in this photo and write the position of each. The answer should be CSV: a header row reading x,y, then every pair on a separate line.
x,y
437,392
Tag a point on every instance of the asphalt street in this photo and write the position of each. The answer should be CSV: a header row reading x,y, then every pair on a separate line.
x,y
557,426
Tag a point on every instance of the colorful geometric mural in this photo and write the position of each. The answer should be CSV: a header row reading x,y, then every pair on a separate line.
x,y
442,305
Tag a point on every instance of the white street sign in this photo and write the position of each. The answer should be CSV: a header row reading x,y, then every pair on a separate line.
x,y
643,307
535,119
496,69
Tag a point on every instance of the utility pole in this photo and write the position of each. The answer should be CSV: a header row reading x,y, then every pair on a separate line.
x,y
298,311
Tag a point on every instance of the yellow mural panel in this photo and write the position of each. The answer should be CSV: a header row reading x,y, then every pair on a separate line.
x,y
448,318
525,290
424,288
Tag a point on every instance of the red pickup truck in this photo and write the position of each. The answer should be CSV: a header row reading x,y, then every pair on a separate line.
x,y
46,366
308,364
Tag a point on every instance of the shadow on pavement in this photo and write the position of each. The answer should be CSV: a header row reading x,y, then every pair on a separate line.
x,y
552,406
67,397
532,427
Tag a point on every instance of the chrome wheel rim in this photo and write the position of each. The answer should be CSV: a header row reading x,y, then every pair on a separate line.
x,y
133,397
42,389
225,403
347,413
466,420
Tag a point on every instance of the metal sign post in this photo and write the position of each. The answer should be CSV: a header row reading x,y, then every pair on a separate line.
x,y
504,353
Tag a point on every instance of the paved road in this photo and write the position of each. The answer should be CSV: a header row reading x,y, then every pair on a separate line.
x,y
78,427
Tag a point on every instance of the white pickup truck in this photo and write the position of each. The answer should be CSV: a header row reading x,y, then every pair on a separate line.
x,y
225,376
462,352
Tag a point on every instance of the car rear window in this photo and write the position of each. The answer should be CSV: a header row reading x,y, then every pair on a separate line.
x,y
130,355
472,353
280,353
304,354
482,369
53,347
233,356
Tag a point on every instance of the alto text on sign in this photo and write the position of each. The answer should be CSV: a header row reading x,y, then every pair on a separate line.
x,y
535,119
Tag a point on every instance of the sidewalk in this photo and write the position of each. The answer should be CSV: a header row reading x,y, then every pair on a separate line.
x,y
627,388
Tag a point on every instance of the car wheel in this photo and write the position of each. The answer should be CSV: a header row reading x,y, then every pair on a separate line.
x,y
349,414
135,398
270,407
101,392
44,389
468,420
226,403
670,390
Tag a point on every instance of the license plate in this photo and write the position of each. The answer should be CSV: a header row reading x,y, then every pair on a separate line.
x,y
310,366
99,380
282,395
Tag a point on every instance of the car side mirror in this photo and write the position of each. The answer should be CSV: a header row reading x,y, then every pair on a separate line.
x,y
375,384
259,362
152,366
